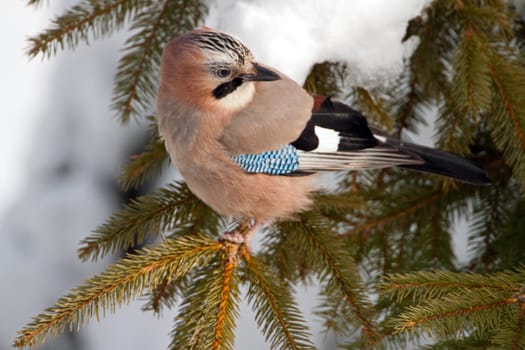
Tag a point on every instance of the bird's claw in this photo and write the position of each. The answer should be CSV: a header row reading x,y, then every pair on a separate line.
x,y
234,236
240,234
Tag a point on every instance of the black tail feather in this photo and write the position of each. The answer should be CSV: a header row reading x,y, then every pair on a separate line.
x,y
442,163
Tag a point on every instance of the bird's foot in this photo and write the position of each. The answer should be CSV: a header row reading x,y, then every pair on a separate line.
x,y
233,236
241,233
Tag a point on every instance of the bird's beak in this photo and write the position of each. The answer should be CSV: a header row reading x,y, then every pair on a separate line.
x,y
261,74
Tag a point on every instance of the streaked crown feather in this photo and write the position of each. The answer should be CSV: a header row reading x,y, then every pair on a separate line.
x,y
218,42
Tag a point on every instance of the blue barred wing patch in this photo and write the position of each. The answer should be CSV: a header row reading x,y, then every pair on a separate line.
x,y
281,161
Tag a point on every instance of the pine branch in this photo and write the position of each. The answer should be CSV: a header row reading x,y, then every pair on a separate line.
x,y
507,118
275,309
459,303
511,333
471,85
505,249
399,214
166,293
138,69
407,103
228,308
519,331
342,288
208,313
325,78
144,165
98,17
470,95
485,18
430,245
340,207
467,343
160,293
290,265
425,285
457,314
428,64
118,285
373,107
492,212
173,207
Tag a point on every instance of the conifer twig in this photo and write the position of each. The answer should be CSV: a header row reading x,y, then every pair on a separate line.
x,y
230,264
118,285
157,23
397,215
275,310
143,52
368,101
508,106
411,322
209,310
100,17
343,283
482,305
144,165
519,327
144,217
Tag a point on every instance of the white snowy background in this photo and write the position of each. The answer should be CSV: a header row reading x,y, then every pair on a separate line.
x,y
61,148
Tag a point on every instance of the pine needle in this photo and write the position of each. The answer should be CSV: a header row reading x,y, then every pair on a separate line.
x,y
145,217
118,285
208,313
96,18
144,165
154,25
276,312
341,284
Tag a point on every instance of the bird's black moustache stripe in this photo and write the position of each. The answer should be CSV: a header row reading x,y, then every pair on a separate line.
x,y
226,88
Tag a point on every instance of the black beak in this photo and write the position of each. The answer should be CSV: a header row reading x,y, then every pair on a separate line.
x,y
261,74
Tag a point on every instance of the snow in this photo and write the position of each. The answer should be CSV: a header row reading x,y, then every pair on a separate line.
x,y
62,149
292,35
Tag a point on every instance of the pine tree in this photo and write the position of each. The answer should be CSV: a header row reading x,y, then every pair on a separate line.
x,y
384,233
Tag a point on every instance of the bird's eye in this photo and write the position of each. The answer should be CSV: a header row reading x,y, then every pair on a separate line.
x,y
223,72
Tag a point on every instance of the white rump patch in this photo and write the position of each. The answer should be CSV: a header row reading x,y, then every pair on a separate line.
x,y
328,140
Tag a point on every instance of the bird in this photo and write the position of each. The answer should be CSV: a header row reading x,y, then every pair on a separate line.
x,y
250,142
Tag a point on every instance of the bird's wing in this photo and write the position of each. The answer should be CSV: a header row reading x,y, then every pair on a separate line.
x,y
338,137
333,139
388,151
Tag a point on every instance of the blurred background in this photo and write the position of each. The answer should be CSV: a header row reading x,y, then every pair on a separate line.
x,y
62,148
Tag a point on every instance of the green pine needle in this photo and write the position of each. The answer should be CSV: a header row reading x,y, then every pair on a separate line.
x,y
144,165
171,208
208,313
138,70
118,285
326,78
508,112
343,292
276,311
90,18
447,304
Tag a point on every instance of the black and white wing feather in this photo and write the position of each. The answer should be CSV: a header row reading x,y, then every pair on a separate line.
x,y
338,137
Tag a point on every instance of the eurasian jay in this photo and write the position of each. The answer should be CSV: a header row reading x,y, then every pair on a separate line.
x,y
248,140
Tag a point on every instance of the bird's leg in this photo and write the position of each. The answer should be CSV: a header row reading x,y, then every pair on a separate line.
x,y
241,233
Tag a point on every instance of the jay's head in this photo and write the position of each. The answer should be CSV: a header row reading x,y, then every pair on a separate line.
x,y
211,70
